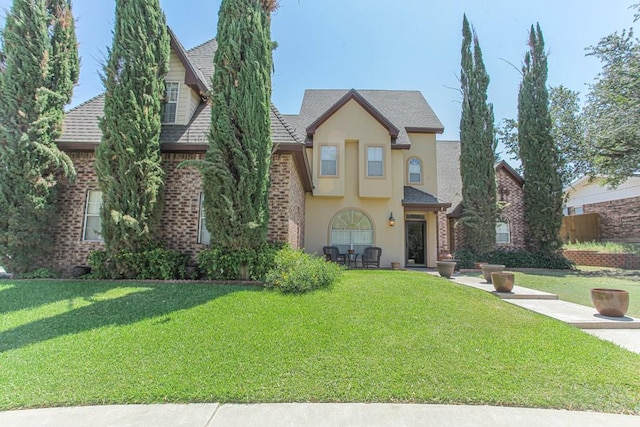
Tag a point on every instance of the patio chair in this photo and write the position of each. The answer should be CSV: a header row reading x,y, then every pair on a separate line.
x,y
332,253
371,257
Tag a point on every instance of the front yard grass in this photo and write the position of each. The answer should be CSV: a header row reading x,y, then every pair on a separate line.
x,y
575,286
376,336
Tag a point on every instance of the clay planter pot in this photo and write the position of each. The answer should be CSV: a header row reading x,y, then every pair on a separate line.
x,y
478,265
502,281
610,302
487,269
445,268
395,265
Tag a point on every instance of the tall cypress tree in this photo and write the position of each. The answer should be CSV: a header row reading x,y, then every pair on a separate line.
x,y
128,161
477,150
39,69
540,161
236,183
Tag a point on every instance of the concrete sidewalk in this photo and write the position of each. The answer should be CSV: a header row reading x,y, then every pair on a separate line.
x,y
309,415
623,331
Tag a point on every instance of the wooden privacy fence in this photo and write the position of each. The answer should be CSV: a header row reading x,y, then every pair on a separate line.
x,y
580,228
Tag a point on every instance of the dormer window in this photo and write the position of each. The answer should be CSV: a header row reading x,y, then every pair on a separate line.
x,y
170,106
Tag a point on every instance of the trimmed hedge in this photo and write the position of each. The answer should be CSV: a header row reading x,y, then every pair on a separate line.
x,y
156,263
516,258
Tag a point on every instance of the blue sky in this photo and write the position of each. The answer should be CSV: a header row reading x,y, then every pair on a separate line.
x,y
371,44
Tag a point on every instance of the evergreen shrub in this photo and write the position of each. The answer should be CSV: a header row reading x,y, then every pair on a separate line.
x,y
224,264
296,272
151,264
515,258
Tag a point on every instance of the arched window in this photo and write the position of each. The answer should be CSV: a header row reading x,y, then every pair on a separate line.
x,y
414,171
351,228
503,234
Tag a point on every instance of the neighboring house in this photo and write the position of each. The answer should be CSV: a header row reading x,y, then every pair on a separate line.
x,y
186,119
510,227
618,208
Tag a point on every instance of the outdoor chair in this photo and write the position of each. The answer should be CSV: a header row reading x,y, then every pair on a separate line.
x,y
371,257
332,253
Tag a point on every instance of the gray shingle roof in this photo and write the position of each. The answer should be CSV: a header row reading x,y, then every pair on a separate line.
x,y
81,123
449,180
404,109
413,196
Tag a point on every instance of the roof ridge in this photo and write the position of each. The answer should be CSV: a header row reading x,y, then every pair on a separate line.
x,y
285,123
85,102
201,44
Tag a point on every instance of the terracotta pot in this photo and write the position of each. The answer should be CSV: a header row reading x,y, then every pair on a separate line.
x,y
395,265
445,268
478,265
487,269
610,302
502,281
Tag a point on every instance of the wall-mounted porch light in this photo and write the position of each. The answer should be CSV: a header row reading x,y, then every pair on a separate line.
x,y
392,220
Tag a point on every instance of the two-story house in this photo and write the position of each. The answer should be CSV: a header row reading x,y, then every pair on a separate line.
x,y
374,166
352,169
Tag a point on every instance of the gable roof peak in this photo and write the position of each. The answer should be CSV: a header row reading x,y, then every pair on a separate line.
x,y
362,101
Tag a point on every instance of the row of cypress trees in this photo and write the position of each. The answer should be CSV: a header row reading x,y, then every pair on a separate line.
x,y
543,193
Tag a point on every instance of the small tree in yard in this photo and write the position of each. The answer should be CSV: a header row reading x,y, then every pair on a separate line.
x,y
236,171
128,162
39,66
543,193
477,155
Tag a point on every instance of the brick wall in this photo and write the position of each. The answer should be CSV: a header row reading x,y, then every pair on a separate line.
x,y
511,195
510,192
180,212
619,219
286,202
443,237
599,259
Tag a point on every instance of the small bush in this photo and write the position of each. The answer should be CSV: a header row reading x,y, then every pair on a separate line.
x,y
515,258
40,273
154,263
296,271
224,264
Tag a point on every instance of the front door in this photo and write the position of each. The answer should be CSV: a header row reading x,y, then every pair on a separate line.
x,y
416,239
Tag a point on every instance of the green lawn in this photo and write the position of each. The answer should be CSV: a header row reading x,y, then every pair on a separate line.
x,y
575,286
377,336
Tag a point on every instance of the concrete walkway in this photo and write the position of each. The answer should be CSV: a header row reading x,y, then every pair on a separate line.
x,y
308,415
624,332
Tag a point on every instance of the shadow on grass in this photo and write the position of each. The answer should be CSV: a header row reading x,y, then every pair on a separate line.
x,y
153,300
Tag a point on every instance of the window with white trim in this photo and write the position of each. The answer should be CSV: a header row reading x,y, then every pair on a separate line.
x,y
329,160
415,171
375,164
503,234
351,229
170,105
92,231
203,234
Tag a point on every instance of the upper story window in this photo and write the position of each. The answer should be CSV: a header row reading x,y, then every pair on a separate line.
x,y
170,105
375,164
503,234
203,234
415,171
329,160
92,231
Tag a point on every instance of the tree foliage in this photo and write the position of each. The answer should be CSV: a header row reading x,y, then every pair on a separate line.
x,y
477,155
613,108
236,180
128,162
39,67
543,192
